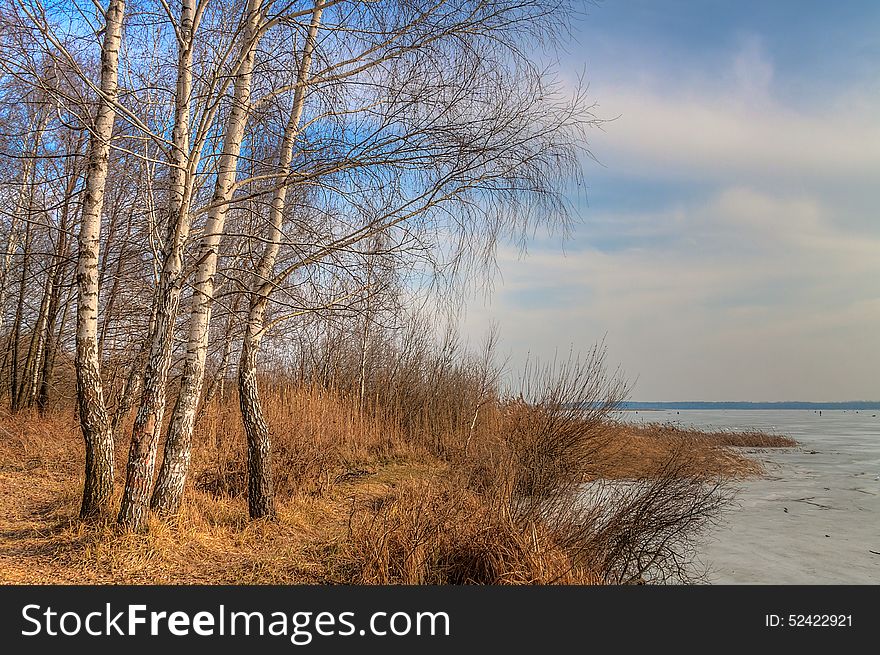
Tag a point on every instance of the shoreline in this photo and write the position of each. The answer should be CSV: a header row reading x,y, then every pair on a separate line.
x,y
328,530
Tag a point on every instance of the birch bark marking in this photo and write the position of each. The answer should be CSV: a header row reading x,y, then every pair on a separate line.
x,y
148,422
98,439
261,500
175,463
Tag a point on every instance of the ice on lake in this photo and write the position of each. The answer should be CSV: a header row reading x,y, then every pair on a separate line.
x,y
815,517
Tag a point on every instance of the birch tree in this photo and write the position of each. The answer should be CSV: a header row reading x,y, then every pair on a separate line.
x,y
148,422
93,416
260,488
284,157
175,463
467,138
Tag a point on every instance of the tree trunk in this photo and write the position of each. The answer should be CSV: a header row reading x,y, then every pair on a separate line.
x,y
261,497
47,371
27,391
148,422
15,344
12,242
261,494
175,463
218,383
19,376
23,210
58,271
129,391
98,438
111,294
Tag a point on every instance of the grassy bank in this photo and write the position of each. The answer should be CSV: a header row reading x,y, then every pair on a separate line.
x,y
493,491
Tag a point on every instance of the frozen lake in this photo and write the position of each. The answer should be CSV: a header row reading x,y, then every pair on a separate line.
x,y
815,517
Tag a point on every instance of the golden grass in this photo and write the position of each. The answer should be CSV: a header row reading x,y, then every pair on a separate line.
x,y
639,449
363,497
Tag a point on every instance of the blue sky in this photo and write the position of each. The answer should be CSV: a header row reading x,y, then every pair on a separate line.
x,y
729,244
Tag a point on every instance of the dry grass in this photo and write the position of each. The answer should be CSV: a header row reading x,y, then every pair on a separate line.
x,y
729,438
524,494
437,532
636,450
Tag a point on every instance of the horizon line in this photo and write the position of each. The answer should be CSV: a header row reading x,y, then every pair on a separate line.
x,y
755,402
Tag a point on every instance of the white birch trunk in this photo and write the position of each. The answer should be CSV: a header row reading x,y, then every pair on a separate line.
x,y
148,422
95,426
175,463
12,238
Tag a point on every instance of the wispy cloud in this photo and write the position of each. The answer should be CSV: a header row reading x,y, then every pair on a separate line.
x,y
757,273
747,290
732,125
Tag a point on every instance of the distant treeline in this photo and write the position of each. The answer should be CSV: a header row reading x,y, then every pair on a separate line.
x,y
787,404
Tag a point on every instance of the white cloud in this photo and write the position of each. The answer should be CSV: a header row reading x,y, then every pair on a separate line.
x,y
733,125
752,70
706,137
772,295
763,284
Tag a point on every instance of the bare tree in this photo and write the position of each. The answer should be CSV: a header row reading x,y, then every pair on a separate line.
x,y
474,139
172,476
260,493
148,423
93,416
311,161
